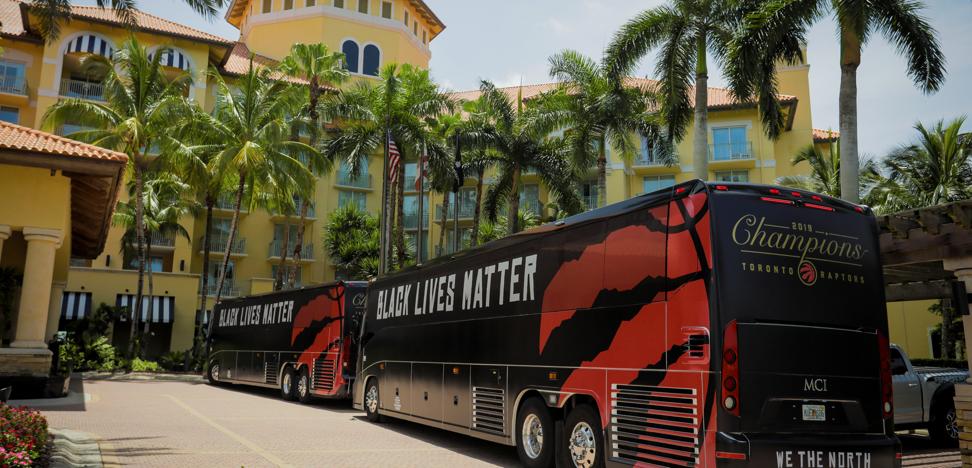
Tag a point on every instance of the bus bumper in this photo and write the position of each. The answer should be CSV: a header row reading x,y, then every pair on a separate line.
x,y
808,450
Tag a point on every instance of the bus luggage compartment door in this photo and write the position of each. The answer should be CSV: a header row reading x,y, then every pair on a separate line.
x,y
456,397
427,391
394,385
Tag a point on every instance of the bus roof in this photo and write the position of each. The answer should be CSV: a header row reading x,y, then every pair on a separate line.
x,y
326,285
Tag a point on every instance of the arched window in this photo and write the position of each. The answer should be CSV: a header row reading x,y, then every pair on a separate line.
x,y
372,58
350,50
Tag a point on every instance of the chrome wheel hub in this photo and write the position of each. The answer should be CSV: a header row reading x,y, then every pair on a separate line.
x,y
371,399
582,446
302,385
532,437
287,383
951,425
214,372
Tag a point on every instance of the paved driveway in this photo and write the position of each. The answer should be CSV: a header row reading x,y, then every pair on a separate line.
x,y
153,423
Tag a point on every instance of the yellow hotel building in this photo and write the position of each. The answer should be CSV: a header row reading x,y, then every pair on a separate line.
x,y
371,33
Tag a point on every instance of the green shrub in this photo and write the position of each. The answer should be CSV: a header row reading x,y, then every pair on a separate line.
x,y
23,436
173,360
139,365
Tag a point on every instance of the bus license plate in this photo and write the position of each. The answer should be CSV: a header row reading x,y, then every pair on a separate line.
x,y
814,413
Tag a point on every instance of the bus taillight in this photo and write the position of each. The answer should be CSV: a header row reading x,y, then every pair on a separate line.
x,y
730,370
887,395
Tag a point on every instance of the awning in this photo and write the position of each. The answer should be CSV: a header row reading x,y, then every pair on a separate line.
x,y
163,307
91,44
203,318
174,59
75,305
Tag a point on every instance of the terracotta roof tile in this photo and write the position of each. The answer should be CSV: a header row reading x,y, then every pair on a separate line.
x,y
16,137
146,22
237,62
825,135
11,18
719,98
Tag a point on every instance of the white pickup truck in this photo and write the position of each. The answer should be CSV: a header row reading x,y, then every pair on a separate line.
x,y
923,397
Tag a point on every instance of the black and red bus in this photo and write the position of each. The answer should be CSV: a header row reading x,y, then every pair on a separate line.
x,y
301,341
702,325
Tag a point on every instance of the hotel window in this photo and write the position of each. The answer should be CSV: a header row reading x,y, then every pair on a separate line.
x,y
654,183
410,242
372,59
288,4
358,199
406,19
310,3
338,3
732,176
730,143
529,199
386,10
350,50
10,114
415,28
267,6
289,268
363,6
411,211
424,36
12,77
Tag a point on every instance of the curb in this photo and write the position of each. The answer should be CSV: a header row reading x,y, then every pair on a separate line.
x,y
142,376
75,449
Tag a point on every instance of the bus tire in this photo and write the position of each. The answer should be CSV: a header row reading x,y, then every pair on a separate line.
x,y
303,387
370,401
212,373
584,439
287,384
535,434
943,427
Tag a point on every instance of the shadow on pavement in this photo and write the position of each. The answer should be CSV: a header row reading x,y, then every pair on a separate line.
x,y
74,401
485,451
339,406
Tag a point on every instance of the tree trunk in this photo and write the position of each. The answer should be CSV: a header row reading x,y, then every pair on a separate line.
x,y
700,141
230,237
278,281
299,248
151,294
602,173
477,210
513,219
445,222
208,237
389,219
849,162
140,246
400,225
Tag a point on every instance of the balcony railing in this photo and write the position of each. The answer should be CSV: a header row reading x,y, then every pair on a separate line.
x,y
229,289
162,240
13,85
228,202
410,184
218,245
466,211
82,89
731,151
363,181
311,213
411,220
590,202
306,253
647,160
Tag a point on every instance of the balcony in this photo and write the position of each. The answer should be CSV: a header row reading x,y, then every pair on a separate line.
x,y
229,289
363,181
731,152
411,221
227,202
162,241
589,202
218,245
82,89
466,211
13,85
311,213
306,253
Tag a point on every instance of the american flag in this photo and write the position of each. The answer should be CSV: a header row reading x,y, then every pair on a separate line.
x,y
421,172
394,160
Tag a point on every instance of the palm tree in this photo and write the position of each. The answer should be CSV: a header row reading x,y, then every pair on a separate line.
x,y
141,106
402,104
317,66
521,139
933,170
824,174
598,111
351,241
783,25
684,31
249,130
50,14
490,231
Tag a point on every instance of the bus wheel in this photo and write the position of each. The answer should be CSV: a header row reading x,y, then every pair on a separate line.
x,y
584,438
371,401
287,384
213,375
535,434
303,386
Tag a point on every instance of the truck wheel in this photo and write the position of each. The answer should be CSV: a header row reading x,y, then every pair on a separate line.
x,y
213,374
287,384
371,401
534,434
944,428
585,441
303,386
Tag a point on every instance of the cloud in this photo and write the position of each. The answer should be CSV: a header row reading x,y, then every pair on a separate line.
x,y
557,26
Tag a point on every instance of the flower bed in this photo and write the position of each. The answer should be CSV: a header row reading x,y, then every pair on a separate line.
x,y
23,436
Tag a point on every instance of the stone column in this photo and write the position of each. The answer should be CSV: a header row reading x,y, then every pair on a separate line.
x,y
35,295
54,312
4,235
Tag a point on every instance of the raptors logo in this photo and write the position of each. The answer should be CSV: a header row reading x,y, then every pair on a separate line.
x,y
808,273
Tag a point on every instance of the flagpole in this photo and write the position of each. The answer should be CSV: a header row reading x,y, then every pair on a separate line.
x,y
421,205
385,212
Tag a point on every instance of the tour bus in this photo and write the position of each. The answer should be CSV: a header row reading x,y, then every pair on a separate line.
x,y
301,341
707,324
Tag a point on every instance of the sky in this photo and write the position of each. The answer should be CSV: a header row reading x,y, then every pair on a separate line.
x,y
509,41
